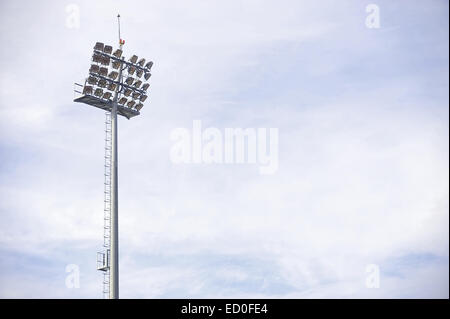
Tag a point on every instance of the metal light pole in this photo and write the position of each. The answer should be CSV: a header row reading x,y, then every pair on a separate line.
x,y
127,100
114,266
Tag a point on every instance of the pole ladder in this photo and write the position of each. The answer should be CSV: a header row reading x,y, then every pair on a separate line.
x,y
107,206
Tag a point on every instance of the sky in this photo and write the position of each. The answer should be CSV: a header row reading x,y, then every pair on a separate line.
x,y
362,185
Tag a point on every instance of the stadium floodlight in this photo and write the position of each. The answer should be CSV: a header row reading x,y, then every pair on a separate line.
x,y
94,68
98,92
113,75
98,58
107,95
112,86
103,71
139,107
149,65
131,70
118,53
115,102
129,80
99,46
141,62
102,83
147,76
133,59
92,80
107,49
116,64
145,86
137,83
105,60
87,90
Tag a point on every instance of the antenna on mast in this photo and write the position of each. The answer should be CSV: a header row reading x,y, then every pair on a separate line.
x,y
121,42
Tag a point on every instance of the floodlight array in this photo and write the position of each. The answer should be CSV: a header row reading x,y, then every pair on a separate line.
x,y
103,77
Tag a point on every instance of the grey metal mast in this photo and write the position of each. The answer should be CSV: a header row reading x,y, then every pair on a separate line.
x,y
114,267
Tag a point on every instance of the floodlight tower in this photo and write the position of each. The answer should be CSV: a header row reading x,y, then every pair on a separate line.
x,y
121,97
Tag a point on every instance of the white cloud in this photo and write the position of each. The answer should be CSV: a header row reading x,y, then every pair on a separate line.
x,y
363,163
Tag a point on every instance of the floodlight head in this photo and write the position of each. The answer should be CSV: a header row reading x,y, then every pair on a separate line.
x,y
107,95
112,86
145,86
129,80
127,92
94,68
133,59
147,76
103,71
107,49
136,95
118,53
139,73
98,58
115,64
143,98
105,60
87,90
92,80
102,83
113,75
130,104
98,92
122,100
139,106
149,65
99,46
137,83
141,62
131,69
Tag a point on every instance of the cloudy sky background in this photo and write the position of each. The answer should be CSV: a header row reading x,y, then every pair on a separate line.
x,y
363,172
